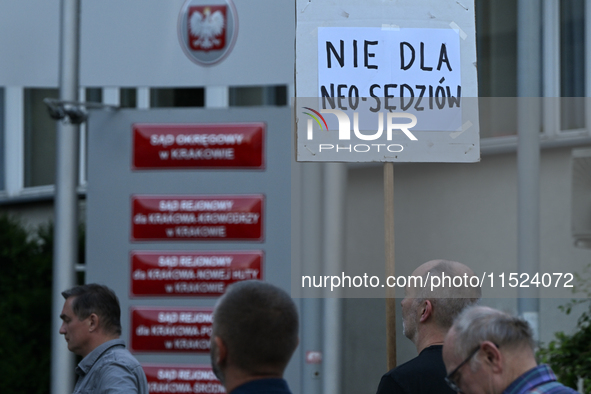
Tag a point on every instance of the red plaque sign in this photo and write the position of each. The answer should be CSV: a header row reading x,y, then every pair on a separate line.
x,y
161,329
204,274
163,378
232,145
228,217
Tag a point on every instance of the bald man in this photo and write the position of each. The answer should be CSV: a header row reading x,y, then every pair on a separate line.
x,y
426,318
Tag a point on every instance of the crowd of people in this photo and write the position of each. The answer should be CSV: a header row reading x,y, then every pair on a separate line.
x,y
462,347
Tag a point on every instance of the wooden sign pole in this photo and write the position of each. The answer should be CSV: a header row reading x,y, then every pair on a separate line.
x,y
389,237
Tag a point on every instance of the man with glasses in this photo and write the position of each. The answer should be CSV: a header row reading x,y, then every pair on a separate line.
x,y
489,351
427,315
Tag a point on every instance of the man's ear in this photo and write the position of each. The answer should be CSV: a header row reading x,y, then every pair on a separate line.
x,y
492,356
426,309
93,322
222,353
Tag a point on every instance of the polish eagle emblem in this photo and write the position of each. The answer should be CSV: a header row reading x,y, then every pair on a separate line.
x,y
207,28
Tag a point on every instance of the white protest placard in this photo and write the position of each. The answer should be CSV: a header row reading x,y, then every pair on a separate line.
x,y
380,82
376,62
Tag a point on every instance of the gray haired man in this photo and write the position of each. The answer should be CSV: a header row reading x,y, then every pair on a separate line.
x,y
91,326
426,317
255,332
489,351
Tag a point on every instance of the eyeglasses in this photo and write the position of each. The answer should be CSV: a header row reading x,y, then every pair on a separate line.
x,y
449,378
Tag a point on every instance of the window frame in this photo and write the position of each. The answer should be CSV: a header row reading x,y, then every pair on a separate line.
x,y
552,135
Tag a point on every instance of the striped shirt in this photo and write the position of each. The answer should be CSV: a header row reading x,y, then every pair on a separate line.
x,y
538,380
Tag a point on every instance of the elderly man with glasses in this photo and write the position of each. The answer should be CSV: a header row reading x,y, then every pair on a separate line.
x,y
489,351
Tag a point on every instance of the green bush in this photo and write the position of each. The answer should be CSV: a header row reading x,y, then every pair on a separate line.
x,y
25,307
570,355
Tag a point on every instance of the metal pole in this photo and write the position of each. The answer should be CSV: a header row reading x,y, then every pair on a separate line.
x,y
311,216
335,181
528,153
65,254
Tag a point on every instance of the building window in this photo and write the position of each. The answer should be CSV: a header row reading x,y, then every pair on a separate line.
x,y
40,138
179,97
562,41
496,32
258,96
93,95
128,97
572,64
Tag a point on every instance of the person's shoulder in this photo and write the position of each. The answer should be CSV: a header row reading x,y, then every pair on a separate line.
x,y
539,380
428,362
267,385
121,356
408,367
124,356
121,378
428,358
552,388
395,379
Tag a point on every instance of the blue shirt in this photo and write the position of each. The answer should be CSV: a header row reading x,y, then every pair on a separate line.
x,y
263,386
540,380
110,368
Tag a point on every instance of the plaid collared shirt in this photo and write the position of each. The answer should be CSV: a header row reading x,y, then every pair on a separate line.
x,y
538,380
